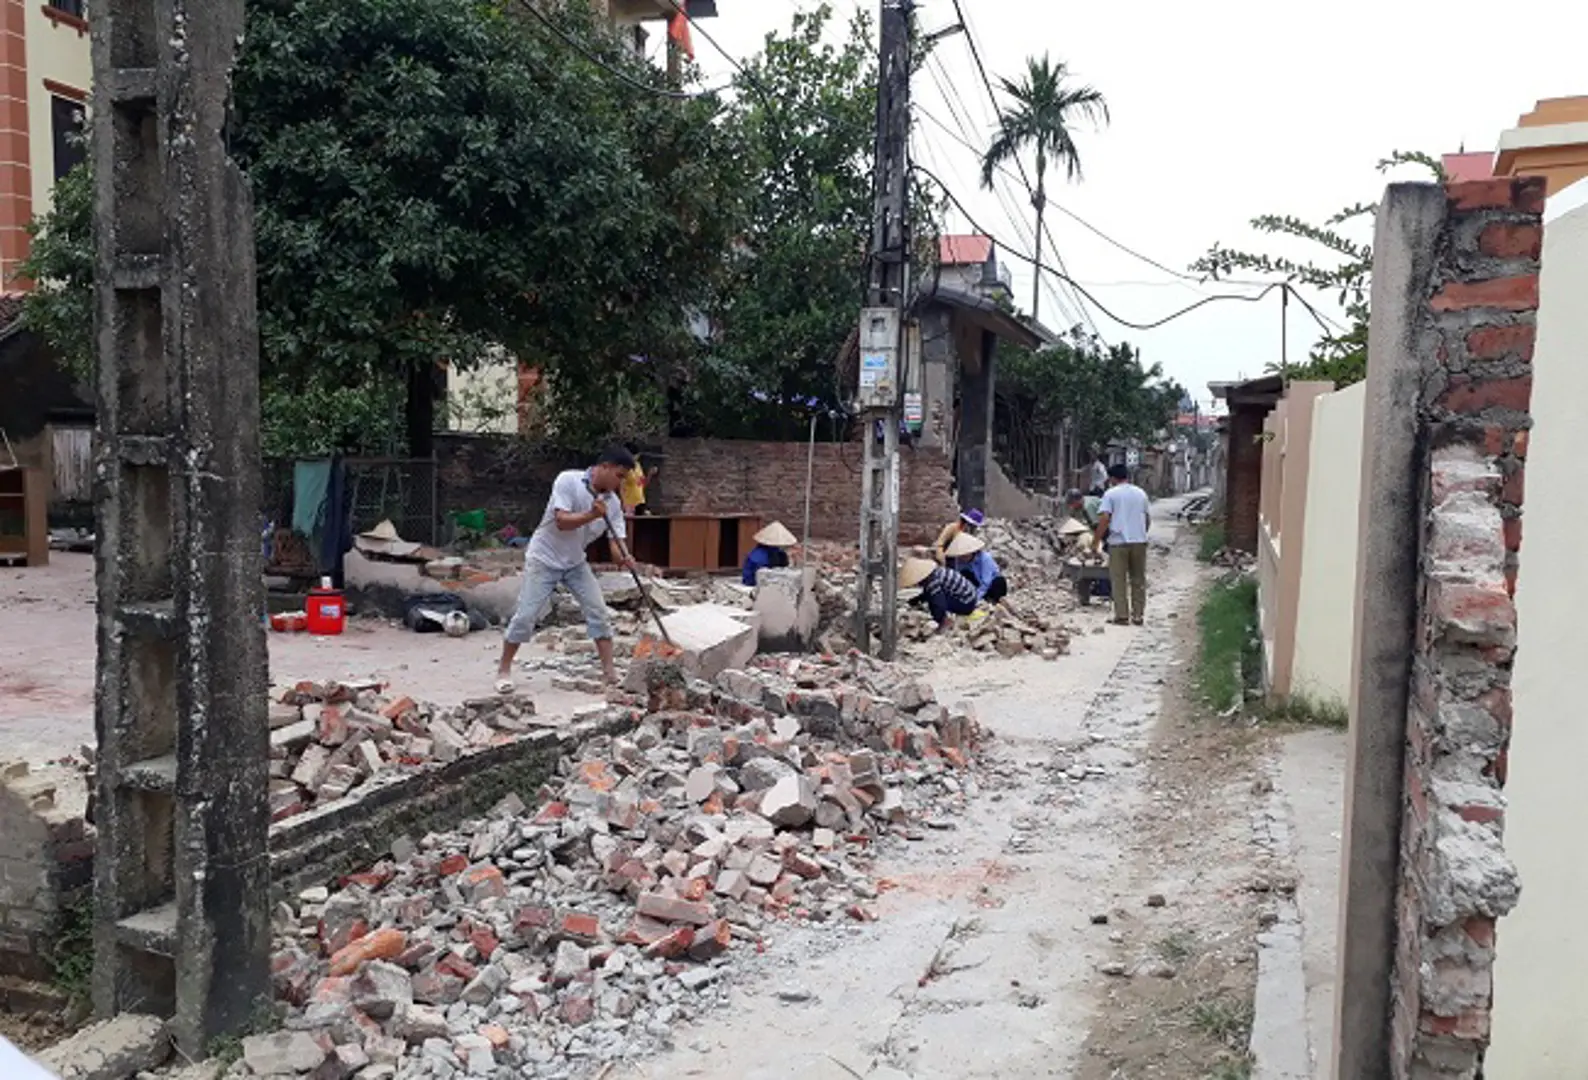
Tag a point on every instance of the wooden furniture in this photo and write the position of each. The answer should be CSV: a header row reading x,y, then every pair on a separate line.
x,y
24,530
709,542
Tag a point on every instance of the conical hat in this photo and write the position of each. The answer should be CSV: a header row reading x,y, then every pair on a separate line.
x,y
915,571
384,531
964,544
775,535
1073,527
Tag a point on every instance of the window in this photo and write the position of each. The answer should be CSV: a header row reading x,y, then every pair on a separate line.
x,y
78,8
67,118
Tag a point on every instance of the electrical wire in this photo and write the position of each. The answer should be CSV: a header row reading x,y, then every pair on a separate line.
x,y
1043,268
623,77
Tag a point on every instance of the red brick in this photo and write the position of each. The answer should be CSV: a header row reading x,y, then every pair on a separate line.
x,y
1472,1024
1510,582
485,941
579,926
453,964
401,707
674,945
672,909
1501,767
1507,241
1513,534
1480,194
712,941
1481,931
1519,446
1481,815
1514,487
1505,294
1495,439
1466,395
453,864
1479,612
532,917
1493,342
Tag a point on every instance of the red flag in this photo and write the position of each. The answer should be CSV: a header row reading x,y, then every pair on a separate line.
x,y
678,34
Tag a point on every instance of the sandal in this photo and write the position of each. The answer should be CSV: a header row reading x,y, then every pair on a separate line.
x,y
504,686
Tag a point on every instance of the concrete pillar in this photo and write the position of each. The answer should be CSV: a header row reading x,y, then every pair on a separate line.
x,y
182,883
937,379
976,423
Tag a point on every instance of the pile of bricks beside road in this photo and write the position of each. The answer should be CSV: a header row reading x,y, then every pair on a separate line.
x,y
548,941
327,739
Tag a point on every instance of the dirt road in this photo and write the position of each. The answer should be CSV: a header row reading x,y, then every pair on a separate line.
x,y
992,957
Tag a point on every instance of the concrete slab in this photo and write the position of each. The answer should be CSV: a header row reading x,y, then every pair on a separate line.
x,y
111,1050
714,638
786,601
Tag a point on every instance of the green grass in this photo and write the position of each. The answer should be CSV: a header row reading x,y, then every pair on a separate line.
x,y
72,949
1210,541
1224,1020
1228,622
1177,947
1239,1068
1309,711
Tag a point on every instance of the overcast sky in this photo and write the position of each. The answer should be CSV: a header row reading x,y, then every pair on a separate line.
x,y
1221,111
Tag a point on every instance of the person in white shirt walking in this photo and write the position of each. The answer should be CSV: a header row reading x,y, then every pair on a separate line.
x,y
583,506
1122,521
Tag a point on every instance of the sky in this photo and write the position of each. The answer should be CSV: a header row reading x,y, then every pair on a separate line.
x,y
1220,111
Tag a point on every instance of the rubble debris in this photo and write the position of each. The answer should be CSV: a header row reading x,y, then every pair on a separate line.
x,y
547,940
327,739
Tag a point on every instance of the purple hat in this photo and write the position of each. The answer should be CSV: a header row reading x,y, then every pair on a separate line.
x,y
974,518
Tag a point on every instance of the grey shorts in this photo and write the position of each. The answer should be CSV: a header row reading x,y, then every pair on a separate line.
x,y
534,596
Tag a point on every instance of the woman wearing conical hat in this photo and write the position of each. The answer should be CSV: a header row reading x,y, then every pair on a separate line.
x,y
770,551
944,592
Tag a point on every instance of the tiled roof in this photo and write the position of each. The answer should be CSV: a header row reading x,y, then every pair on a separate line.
x,y
1478,165
964,250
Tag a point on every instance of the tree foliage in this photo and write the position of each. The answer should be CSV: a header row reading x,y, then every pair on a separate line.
x,y
1104,391
1045,107
790,293
434,177
1345,273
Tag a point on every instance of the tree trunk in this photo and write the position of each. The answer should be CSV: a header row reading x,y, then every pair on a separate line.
x,y
420,410
1036,280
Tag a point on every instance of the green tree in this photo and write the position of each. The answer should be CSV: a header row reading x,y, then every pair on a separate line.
x,y
1045,107
1346,273
1104,391
790,291
435,177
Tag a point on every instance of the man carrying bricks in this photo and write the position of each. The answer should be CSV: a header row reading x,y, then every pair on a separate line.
x,y
582,507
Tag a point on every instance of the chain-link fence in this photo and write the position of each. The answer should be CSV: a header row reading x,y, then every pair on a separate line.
x,y
399,490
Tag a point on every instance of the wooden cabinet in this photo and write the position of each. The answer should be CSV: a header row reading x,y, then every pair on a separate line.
x,y
709,542
24,530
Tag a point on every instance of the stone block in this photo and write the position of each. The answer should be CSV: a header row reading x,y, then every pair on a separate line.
x,y
785,600
713,638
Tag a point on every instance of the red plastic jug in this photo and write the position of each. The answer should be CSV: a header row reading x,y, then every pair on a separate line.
x,y
326,609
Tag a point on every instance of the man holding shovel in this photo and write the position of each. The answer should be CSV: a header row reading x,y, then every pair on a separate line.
x,y
582,507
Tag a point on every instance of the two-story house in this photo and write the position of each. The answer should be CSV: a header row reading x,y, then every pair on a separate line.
x,y
45,73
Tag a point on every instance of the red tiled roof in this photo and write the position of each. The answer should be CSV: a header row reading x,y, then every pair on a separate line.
x,y
1461,167
964,250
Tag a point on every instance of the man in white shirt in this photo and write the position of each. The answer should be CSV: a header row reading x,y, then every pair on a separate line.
x,y
1122,521
583,507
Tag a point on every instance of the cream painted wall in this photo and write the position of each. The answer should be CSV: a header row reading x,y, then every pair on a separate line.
x,y
484,401
59,53
1325,612
1539,997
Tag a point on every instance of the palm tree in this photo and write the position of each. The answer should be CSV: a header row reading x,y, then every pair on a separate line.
x,y
1044,107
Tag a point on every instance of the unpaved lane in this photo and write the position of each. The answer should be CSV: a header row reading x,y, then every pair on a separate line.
x,y
984,961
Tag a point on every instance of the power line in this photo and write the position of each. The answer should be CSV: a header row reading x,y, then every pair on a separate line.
x,y
1003,125
1043,268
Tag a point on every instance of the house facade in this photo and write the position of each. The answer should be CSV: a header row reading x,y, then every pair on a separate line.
x,y
45,73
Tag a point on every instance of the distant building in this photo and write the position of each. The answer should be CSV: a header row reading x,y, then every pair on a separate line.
x,y
45,74
1551,141
970,264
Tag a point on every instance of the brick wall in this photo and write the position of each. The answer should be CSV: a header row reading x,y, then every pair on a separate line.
x,y
1455,877
46,860
712,476
511,479
1243,483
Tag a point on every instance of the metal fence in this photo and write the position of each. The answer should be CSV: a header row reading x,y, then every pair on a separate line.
x,y
401,490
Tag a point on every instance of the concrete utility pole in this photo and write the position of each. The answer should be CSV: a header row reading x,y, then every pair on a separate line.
x,y
882,327
183,875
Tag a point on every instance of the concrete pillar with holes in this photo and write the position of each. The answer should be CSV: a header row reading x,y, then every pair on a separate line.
x,y
182,868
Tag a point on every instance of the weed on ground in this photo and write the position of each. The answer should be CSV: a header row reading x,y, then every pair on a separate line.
x,y
1228,652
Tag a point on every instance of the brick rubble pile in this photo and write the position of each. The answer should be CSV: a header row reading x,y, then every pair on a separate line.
x,y
547,941
328,739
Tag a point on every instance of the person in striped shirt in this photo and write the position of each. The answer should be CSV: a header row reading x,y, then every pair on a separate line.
x,y
944,592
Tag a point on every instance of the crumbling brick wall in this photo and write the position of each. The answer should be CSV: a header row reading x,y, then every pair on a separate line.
x,y
1243,476
1455,877
46,863
511,479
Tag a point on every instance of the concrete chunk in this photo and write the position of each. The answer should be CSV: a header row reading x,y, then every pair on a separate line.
x,y
714,638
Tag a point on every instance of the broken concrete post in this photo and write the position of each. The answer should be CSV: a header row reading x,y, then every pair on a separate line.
x,y
713,638
785,599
